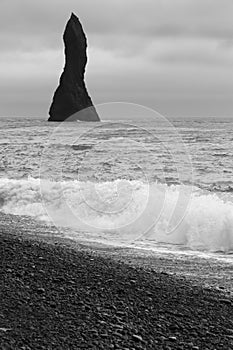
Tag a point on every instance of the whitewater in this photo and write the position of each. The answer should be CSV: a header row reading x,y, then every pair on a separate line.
x,y
149,184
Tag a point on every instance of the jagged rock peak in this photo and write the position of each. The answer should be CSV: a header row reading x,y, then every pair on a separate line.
x,y
71,100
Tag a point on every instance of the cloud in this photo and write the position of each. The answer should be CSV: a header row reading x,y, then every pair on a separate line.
x,y
22,21
152,52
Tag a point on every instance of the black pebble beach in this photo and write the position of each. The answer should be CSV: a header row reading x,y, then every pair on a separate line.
x,y
56,297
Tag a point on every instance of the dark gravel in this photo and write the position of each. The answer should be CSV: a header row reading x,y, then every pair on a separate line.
x,y
54,297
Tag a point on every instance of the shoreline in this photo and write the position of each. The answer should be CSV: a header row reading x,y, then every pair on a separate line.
x,y
58,295
205,272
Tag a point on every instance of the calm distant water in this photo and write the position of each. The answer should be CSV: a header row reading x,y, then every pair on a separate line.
x,y
147,182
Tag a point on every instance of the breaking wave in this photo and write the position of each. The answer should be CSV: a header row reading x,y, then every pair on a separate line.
x,y
126,210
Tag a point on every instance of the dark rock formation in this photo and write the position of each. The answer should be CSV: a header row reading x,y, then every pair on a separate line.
x,y
71,99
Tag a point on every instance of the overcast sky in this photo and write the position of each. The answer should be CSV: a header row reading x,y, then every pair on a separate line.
x,y
175,56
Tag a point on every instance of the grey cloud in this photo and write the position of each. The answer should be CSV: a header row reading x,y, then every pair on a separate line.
x,y
43,21
173,55
196,52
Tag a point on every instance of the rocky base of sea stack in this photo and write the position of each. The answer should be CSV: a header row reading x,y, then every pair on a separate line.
x,y
56,297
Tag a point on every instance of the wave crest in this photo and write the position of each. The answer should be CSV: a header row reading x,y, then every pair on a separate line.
x,y
124,210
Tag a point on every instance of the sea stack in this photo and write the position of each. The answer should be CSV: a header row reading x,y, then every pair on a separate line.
x,y
71,101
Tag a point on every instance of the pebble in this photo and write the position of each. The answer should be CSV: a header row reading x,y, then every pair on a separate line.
x,y
225,301
137,337
40,290
172,338
3,329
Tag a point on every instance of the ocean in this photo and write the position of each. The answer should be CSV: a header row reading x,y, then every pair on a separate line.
x,y
151,183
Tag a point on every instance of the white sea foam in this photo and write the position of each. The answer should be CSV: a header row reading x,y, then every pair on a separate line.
x,y
125,210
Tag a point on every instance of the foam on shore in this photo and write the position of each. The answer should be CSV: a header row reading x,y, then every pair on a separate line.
x,y
125,210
